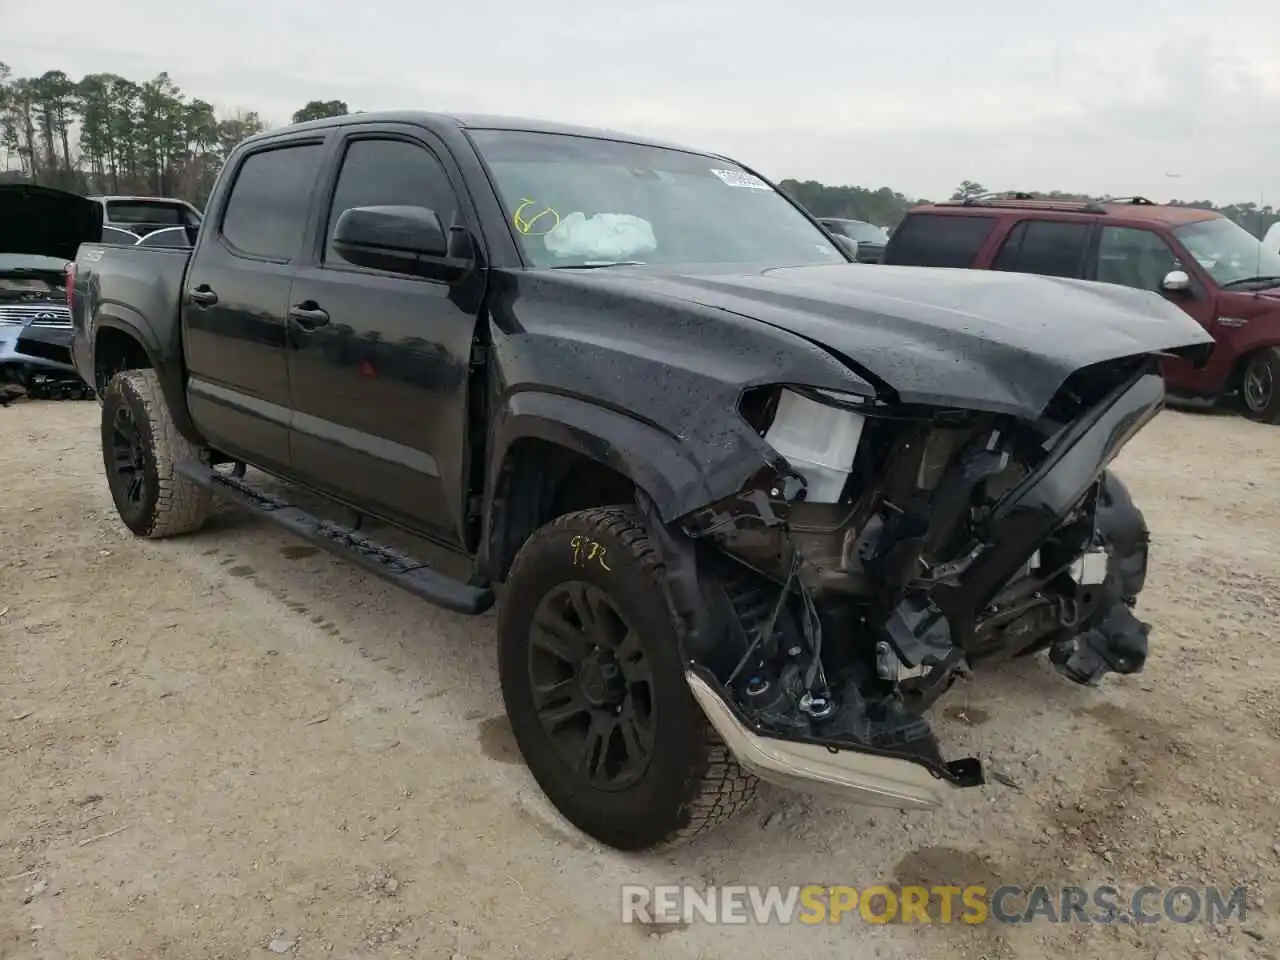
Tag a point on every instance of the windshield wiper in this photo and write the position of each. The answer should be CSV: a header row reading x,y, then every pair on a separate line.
x,y
598,265
1263,279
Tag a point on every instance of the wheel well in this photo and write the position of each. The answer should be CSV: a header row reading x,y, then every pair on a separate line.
x,y
113,351
538,482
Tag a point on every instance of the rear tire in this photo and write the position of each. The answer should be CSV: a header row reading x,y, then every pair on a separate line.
x,y
1260,386
140,449
623,691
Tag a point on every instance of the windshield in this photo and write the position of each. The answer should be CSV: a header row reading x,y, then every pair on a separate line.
x,y
1227,250
581,201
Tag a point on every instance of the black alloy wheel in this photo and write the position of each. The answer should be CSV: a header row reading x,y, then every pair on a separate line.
x,y
141,450
128,458
592,685
595,688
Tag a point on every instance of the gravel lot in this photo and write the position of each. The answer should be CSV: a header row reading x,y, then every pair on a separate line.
x,y
232,744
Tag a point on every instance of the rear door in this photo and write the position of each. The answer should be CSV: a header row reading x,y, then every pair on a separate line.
x,y
236,298
380,361
1049,248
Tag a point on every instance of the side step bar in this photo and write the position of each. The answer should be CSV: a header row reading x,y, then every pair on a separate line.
x,y
404,571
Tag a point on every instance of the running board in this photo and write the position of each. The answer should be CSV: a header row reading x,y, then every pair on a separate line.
x,y
406,572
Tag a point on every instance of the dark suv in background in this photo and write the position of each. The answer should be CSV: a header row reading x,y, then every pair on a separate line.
x,y
1208,265
869,238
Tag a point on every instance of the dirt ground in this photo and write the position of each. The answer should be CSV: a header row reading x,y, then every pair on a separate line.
x,y
232,745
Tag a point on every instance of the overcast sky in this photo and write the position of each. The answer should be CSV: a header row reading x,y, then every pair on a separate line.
x,y
1155,97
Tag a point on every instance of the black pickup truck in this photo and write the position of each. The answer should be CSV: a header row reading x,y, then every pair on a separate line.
x,y
748,509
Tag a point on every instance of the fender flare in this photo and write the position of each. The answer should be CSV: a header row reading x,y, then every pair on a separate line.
x,y
652,459
126,320
669,484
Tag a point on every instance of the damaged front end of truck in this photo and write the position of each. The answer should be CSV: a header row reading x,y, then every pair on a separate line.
x,y
885,549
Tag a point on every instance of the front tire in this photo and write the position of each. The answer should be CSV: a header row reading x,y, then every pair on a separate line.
x,y
594,686
1260,386
140,449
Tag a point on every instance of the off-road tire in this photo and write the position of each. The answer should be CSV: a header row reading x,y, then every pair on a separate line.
x,y
1269,410
692,782
170,505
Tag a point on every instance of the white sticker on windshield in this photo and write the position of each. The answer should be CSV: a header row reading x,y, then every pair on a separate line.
x,y
740,178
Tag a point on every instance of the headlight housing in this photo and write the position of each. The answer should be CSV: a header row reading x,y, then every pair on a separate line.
x,y
816,431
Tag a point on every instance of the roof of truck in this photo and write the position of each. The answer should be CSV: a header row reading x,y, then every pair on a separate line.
x,y
480,121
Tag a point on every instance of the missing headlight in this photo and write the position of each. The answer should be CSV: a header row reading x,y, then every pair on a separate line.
x,y
819,440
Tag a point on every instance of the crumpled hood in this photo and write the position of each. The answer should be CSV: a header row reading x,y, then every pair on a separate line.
x,y
973,339
44,222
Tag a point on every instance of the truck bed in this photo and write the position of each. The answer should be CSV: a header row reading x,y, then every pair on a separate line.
x,y
140,286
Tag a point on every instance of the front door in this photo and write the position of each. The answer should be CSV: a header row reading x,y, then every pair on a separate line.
x,y
1140,258
236,296
379,362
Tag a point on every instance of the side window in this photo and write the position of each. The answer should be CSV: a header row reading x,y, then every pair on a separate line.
x,y
1133,257
378,173
1051,248
266,215
938,240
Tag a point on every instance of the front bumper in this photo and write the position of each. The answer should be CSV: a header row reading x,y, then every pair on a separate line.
x,y
36,349
1029,514
1020,524
870,777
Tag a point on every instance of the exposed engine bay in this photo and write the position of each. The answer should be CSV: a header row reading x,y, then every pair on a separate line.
x,y
35,332
888,550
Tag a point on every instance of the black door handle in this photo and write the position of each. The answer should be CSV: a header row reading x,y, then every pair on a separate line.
x,y
203,296
307,315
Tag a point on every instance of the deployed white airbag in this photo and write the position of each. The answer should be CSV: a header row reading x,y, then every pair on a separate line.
x,y
605,236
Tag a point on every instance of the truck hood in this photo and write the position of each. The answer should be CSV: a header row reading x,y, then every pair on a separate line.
x,y
44,222
972,339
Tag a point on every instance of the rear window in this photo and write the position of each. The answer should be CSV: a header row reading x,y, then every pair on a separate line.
x,y
1050,248
164,214
266,214
938,240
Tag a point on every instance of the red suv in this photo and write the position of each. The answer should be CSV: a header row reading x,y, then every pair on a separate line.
x,y
1210,266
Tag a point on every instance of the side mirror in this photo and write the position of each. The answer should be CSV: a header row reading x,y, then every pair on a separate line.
x,y
389,238
1176,281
